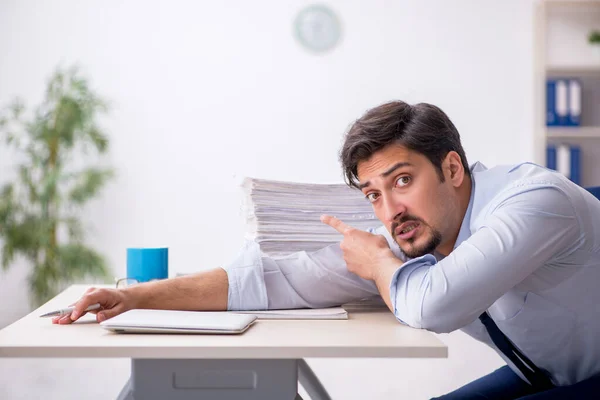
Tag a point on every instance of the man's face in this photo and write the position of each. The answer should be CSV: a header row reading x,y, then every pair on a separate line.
x,y
408,197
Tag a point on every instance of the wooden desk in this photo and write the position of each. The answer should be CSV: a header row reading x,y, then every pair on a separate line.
x,y
265,362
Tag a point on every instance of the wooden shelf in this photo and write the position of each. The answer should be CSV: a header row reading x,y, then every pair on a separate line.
x,y
558,71
571,3
574,132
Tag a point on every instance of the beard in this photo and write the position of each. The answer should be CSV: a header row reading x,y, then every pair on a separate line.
x,y
433,238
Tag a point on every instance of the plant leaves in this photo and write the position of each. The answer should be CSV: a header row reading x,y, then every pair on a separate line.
x,y
43,282
8,209
17,107
98,138
79,262
35,205
26,179
27,237
74,228
48,186
7,204
8,254
88,184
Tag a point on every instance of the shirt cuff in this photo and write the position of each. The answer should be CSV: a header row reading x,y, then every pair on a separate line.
x,y
247,290
407,308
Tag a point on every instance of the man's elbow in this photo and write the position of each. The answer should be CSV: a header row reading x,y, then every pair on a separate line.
x,y
437,324
438,319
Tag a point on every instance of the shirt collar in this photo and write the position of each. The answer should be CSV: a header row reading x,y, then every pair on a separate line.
x,y
465,227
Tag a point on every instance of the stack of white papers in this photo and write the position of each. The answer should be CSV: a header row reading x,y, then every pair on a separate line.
x,y
284,217
300,313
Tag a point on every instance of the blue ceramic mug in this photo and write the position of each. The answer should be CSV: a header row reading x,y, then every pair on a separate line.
x,y
146,264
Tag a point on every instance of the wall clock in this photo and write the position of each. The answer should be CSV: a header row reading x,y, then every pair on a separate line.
x,y
317,28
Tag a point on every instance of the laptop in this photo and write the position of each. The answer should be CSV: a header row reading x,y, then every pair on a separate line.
x,y
171,321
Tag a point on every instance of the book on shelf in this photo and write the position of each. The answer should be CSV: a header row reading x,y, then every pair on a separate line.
x,y
563,102
565,159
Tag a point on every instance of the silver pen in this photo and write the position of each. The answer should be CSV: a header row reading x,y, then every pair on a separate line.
x,y
68,310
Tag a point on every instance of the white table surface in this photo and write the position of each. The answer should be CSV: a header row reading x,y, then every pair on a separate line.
x,y
364,334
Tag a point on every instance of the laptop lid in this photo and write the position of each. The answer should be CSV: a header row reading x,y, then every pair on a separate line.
x,y
171,321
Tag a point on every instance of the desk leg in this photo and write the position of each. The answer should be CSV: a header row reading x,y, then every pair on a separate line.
x,y
127,391
311,383
182,379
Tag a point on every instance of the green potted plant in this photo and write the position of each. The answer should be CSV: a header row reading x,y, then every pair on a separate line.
x,y
40,207
594,40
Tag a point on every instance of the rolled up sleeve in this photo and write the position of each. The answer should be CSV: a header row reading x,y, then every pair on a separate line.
x,y
407,289
302,280
246,284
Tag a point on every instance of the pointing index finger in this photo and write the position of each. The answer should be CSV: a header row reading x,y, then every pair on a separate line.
x,y
335,223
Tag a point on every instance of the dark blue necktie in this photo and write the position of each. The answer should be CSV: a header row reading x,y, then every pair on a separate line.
x,y
534,375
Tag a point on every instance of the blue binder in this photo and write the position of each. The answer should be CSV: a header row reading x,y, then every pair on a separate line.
x,y
557,102
575,164
551,117
551,157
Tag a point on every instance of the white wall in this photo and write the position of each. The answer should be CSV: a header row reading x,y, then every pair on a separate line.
x,y
207,92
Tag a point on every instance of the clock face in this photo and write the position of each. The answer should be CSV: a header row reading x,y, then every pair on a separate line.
x,y
317,28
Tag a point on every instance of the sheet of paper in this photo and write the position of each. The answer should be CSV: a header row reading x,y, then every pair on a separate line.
x,y
302,313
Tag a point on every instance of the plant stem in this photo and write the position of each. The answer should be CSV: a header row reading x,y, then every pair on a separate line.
x,y
52,165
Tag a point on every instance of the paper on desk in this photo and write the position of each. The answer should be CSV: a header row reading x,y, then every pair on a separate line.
x,y
302,313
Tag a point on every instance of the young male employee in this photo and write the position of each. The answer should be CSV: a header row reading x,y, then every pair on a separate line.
x,y
510,255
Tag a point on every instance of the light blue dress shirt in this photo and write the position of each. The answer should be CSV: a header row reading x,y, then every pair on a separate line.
x,y
528,252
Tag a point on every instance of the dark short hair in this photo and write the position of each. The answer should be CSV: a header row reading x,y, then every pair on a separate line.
x,y
422,127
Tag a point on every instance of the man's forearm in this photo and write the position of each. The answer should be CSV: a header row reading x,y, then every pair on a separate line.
x,y
202,291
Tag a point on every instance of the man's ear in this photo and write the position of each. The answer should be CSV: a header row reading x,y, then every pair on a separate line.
x,y
453,168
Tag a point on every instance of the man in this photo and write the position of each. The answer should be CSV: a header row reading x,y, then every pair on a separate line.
x,y
510,255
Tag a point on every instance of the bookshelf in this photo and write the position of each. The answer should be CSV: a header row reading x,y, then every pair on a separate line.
x,y
574,70
573,133
561,50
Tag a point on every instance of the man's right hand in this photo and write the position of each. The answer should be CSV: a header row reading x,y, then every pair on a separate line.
x,y
112,302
